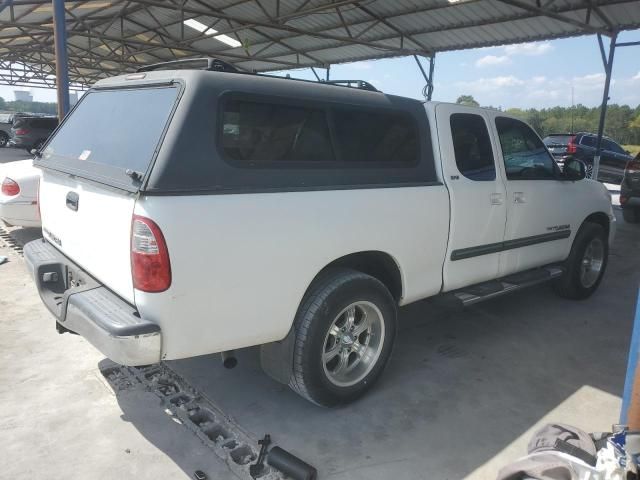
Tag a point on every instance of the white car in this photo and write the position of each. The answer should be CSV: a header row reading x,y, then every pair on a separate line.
x,y
19,193
296,216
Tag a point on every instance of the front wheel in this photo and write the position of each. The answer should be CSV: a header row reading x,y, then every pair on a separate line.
x,y
586,264
345,330
4,139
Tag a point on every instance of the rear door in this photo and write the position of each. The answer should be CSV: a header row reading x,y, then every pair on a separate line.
x,y
477,195
92,171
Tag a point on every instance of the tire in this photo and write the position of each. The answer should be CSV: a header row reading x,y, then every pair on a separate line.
x,y
631,215
38,145
328,368
580,280
4,139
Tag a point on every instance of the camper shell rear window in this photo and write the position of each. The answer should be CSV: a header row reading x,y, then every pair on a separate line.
x,y
112,135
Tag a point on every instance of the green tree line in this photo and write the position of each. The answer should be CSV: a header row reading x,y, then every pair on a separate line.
x,y
31,107
622,122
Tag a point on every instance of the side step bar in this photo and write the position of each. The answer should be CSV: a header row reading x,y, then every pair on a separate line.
x,y
495,288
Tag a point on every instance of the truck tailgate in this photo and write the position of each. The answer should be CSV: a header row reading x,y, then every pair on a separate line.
x,y
91,225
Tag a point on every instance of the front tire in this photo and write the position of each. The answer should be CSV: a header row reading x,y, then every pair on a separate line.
x,y
586,264
631,215
345,330
4,139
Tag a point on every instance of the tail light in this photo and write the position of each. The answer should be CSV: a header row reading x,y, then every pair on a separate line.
x,y
150,265
623,199
10,187
632,167
22,131
571,146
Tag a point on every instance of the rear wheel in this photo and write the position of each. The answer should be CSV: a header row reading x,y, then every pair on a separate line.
x,y
586,264
4,139
631,215
345,329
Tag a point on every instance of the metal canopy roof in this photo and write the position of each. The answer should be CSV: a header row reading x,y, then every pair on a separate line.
x,y
107,37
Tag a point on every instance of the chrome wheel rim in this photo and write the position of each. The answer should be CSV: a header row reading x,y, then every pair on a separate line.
x,y
353,344
592,262
3,141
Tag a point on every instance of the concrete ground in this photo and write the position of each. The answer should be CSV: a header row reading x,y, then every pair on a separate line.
x,y
9,154
459,399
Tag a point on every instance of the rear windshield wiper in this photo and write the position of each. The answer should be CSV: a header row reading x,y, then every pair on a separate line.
x,y
136,176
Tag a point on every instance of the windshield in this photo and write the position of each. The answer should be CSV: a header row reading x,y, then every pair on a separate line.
x,y
112,131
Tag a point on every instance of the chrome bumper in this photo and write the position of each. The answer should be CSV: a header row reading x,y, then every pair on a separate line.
x,y
84,306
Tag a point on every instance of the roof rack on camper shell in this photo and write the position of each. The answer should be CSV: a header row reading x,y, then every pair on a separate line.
x,y
216,65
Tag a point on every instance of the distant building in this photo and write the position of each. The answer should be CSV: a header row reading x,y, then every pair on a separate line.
x,y
23,95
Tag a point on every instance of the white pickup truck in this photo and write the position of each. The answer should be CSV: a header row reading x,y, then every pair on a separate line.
x,y
188,212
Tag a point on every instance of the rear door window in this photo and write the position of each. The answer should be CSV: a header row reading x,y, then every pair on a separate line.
x,y
112,131
525,156
588,141
472,147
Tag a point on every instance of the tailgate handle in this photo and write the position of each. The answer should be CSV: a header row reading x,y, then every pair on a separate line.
x,y
72,201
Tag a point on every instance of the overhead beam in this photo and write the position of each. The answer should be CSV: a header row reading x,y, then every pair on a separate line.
x,y
556,16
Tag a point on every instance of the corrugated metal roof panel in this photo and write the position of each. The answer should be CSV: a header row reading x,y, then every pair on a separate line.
x,y
283,34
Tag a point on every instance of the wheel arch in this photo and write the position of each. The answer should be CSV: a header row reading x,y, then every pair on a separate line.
x,y
599,218
378,264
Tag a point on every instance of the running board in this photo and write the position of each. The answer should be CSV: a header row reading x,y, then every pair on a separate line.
x,y
495,288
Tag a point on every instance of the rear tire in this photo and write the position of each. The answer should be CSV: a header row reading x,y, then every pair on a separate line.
x,y
586,264
4,139
631,215
345,330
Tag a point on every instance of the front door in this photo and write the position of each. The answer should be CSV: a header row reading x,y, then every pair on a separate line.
x,y
540,205
477,195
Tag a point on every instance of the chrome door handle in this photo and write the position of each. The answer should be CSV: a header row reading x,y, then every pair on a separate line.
x,y
518,197
496,198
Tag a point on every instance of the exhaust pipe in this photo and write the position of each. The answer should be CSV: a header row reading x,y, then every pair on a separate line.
x,y
229,359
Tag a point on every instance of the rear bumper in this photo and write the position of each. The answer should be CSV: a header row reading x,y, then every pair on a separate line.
x,y
84,306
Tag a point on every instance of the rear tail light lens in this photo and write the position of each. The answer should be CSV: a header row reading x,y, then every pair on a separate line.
x,y
150,265
571,146
633,167
623,199
22,131
10,187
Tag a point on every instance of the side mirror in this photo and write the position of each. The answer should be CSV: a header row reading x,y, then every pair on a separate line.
x,y
574,170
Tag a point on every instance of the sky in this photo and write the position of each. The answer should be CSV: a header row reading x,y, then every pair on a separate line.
x,y
540,74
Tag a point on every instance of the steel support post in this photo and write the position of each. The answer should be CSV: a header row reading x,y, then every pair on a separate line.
x,y
630,414
608,67
427,91
62,62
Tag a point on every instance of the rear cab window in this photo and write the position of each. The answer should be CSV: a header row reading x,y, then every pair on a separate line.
x,y
112,133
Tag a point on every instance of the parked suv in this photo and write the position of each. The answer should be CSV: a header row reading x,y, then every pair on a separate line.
x,y
557,144
32,132
630,191
613,158
297,216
